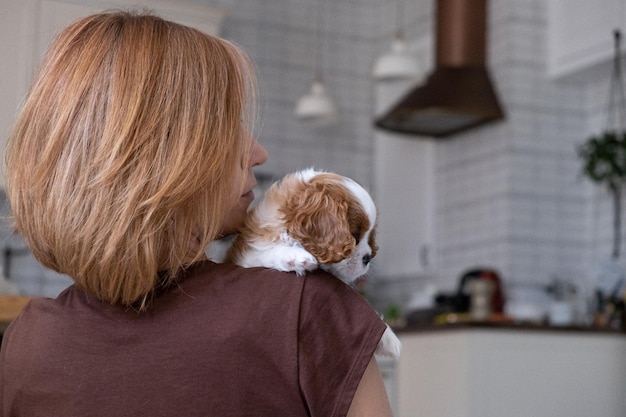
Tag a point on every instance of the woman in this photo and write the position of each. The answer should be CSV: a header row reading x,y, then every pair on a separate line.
x,y
131,155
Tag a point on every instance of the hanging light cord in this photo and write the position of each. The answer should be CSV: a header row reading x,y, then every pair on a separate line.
x,y
617,99
319,64
399,14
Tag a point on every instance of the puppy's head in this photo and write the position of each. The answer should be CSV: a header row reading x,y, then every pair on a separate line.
x,y
334,219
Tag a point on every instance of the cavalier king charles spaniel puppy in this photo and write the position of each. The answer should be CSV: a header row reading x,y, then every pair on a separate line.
x,y
308,220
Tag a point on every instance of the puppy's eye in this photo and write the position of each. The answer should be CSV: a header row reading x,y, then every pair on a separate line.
x,y
357,237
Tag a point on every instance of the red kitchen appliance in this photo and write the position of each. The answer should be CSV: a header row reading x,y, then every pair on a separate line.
x,y
497,301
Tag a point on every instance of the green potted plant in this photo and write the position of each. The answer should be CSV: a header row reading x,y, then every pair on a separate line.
x,y
604,163
604,160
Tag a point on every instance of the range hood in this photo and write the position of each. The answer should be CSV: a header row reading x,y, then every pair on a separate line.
x,y
459,94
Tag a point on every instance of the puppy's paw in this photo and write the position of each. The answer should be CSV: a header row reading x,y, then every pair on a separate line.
x,y
293,259
389,345
302,261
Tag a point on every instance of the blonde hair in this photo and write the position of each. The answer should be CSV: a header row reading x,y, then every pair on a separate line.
x,y
124,160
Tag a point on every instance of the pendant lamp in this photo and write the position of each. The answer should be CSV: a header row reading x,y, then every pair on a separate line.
x,y
398,63
317,106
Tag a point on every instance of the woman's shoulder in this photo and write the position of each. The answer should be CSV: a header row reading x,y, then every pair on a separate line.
x,y
209,274
317,287
208,270
322,290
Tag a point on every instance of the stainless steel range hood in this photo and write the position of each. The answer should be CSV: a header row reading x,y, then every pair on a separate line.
x,y
459,94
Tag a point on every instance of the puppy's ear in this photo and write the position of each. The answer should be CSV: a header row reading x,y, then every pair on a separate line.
x,y
317,217
372,241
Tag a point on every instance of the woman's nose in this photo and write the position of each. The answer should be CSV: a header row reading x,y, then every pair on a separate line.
x,y
259,154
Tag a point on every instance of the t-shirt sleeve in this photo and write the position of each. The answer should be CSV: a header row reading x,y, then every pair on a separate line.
x,y
338,333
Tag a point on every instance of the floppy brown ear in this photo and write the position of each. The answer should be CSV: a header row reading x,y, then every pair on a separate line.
x,y
372,241
317,217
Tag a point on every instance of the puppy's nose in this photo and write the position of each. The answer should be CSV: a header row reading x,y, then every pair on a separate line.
x,y
367,259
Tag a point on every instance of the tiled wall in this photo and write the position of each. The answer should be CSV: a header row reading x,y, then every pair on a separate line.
x,y
508,195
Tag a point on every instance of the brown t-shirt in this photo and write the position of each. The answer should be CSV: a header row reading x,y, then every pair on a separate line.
x,y
227,341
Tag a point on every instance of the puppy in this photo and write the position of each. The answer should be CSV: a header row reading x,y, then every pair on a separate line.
x,y
311,220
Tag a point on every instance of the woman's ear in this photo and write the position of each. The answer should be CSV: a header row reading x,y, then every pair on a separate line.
x,y
317,217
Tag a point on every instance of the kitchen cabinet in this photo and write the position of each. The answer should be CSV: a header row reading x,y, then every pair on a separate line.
x,y
495,372
580,34
28,26
405,195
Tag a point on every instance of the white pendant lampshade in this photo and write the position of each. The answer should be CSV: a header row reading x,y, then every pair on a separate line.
x,y
397,64
317,106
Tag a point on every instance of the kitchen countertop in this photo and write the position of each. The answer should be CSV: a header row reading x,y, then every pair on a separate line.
x,y
506,325
10,307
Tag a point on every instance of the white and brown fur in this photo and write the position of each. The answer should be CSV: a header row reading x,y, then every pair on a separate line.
x,y
309,220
